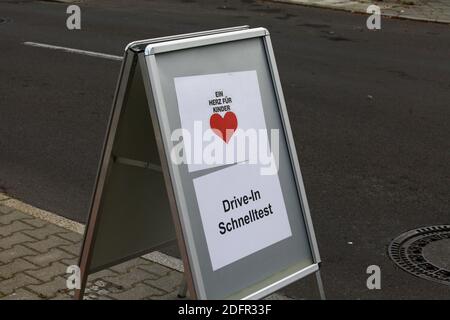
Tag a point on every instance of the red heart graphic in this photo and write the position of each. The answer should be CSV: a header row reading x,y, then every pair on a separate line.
x,y
224,127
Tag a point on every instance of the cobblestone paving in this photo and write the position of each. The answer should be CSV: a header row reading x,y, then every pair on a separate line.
x,y
34,256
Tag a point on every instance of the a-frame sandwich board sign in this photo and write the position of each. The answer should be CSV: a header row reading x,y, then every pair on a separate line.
x,y
243,229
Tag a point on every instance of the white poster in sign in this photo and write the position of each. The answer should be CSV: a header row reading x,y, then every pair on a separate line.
x,y
242,212
217,110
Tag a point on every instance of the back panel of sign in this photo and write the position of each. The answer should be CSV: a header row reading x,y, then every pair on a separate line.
x,y
134,210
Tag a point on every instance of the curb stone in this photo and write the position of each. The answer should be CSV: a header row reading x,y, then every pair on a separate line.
x,y
415,12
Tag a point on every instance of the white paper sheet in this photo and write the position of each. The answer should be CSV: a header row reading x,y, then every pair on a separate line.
x,y
232,194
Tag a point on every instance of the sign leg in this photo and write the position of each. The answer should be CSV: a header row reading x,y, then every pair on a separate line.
x,y
79,293
320,286
182,290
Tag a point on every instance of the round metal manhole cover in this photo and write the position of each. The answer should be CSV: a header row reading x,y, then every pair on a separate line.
x,y
424,252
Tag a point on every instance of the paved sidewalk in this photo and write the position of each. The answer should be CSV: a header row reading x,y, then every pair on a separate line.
x,y
36,247
34,255
422,10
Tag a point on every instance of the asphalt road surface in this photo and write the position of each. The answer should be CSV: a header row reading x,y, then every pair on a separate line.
x,y
369,110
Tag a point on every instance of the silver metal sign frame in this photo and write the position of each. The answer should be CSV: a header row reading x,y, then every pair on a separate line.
x,y
174,188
